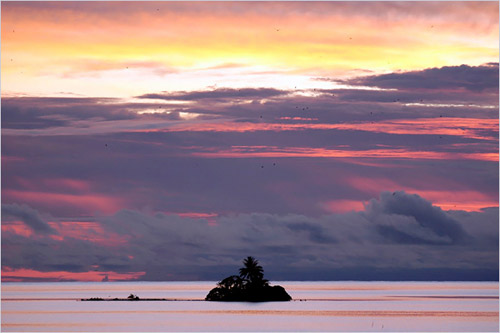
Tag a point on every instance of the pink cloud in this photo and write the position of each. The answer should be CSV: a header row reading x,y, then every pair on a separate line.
x,y
54,184
17,227
10,159
468,200
371,186
21,274
67,184
342,206
297,118
210,217
273,151
465,127
83,202
89,231
458,200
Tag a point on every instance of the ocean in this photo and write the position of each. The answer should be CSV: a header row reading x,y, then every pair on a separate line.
x,y
343,306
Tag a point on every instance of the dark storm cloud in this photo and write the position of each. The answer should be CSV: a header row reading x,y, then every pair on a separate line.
x,y
220,93
422,222
28,216
289,246
472,78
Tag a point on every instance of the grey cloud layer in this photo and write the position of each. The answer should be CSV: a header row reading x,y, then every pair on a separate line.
x,y
478,78
476,86
291,246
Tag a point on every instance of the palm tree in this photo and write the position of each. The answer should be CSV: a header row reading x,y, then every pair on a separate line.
x,y
253,272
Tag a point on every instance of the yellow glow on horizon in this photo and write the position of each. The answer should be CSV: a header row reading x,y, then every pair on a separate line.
x,y
57,45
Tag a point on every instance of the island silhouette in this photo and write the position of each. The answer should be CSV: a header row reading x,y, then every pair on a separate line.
x,y
248,286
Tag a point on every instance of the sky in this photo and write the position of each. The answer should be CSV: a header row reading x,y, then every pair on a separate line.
x,y
169,140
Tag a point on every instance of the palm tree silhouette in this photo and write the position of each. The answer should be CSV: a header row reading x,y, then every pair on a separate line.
x,y
253,272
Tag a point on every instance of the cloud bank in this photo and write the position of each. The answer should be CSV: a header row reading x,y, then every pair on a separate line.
x,y
396,235
471,78
182,185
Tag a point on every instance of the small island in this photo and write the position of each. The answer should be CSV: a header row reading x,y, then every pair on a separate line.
x,y
248,286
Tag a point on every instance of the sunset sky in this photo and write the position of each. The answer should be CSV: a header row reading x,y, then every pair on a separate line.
x,y
169,140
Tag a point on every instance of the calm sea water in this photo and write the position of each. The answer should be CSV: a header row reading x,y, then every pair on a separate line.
x,y
317,306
